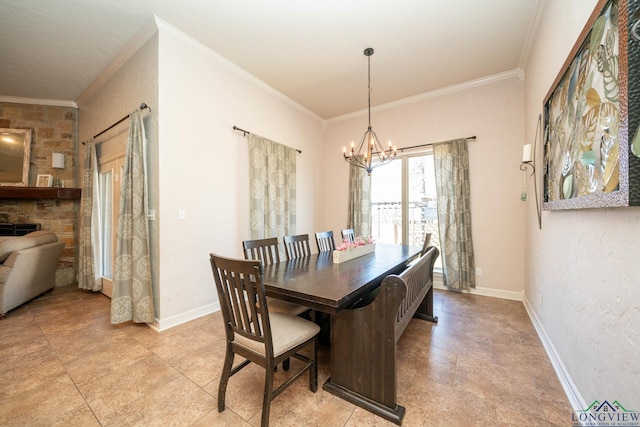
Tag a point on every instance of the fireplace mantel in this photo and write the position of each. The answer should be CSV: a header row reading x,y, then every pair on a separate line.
x,y
14,192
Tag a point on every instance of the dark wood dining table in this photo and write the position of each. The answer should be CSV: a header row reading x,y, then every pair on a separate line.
x,y
318,283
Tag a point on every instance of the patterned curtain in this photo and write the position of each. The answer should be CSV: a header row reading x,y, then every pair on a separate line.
x,y
451,160
359,201
272,188
89,266
132,291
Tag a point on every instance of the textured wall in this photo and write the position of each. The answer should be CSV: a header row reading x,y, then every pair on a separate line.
x,y
54,130
583,281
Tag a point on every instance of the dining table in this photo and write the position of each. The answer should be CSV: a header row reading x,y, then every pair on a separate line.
x,y
321,284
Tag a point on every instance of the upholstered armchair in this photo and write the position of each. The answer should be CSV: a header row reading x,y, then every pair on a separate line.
x,y
28,267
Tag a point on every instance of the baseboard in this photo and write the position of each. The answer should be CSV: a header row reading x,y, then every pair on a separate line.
x,y
487,292
570,389
164,324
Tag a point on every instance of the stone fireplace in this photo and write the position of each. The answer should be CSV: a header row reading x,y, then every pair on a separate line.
x,y
54,130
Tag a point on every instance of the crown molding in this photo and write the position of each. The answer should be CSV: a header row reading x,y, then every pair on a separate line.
x,y
39,101
180,36
147,31
516,73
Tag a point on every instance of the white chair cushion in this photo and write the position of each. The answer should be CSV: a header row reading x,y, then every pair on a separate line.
x,y
287,331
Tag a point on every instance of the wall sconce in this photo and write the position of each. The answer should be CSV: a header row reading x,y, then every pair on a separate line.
x,y
57,162
528,161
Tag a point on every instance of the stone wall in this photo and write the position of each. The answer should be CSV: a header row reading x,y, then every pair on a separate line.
x,y
53,130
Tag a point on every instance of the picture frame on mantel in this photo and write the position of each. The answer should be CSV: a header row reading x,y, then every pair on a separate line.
x,y
589,159
44,180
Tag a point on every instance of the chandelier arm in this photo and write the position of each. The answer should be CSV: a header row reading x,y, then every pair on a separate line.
x,y
354,159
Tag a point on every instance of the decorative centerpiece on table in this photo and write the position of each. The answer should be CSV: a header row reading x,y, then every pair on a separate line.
x,y
350,250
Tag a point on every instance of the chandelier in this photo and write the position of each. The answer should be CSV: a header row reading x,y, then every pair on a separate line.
x,y
369,146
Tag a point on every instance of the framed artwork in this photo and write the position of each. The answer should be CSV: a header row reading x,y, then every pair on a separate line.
x,y
15,149
586,139
44,180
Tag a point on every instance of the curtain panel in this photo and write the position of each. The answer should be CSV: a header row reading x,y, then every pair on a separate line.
x,y
359,215
272,188
89,266
132,289
451,160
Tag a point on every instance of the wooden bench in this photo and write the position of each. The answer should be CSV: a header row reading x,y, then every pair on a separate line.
x,y
363,370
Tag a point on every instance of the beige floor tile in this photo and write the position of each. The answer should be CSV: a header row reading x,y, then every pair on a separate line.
x,y
54,399
110,393
226,418
204,364
178,400
482,364
87,368
33,371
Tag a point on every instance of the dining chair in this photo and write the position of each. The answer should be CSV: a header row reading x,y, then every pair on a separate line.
x,y
255,333
348,235
297,246
266,251
425,244
325,241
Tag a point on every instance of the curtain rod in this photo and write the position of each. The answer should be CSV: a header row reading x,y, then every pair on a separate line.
x,y
427,144
246,132
142,107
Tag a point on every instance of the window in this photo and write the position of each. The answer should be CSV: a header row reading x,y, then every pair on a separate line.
x,y
403,202
110,172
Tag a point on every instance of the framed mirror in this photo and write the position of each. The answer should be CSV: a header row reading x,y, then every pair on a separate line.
x,y
15,149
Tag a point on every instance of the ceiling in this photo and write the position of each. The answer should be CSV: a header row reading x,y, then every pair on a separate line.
x,y
309,50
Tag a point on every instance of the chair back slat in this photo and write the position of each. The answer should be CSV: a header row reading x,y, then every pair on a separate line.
x,y
297,246
242,297
348,235
265,250
325,241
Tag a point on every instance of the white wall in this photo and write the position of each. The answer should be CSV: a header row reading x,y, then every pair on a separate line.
x,y
493,111
115,94
203,166
583,282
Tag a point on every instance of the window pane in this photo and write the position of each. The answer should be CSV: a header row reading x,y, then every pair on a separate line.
x,y
386,203
422,202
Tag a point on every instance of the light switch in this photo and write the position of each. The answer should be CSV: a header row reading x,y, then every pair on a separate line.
x,y
182,214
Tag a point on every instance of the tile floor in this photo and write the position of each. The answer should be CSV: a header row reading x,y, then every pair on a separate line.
x,y
63,364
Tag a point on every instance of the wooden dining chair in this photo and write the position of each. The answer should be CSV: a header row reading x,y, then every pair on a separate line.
x,y
255,333
266,251
325,242
348,235
297,246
